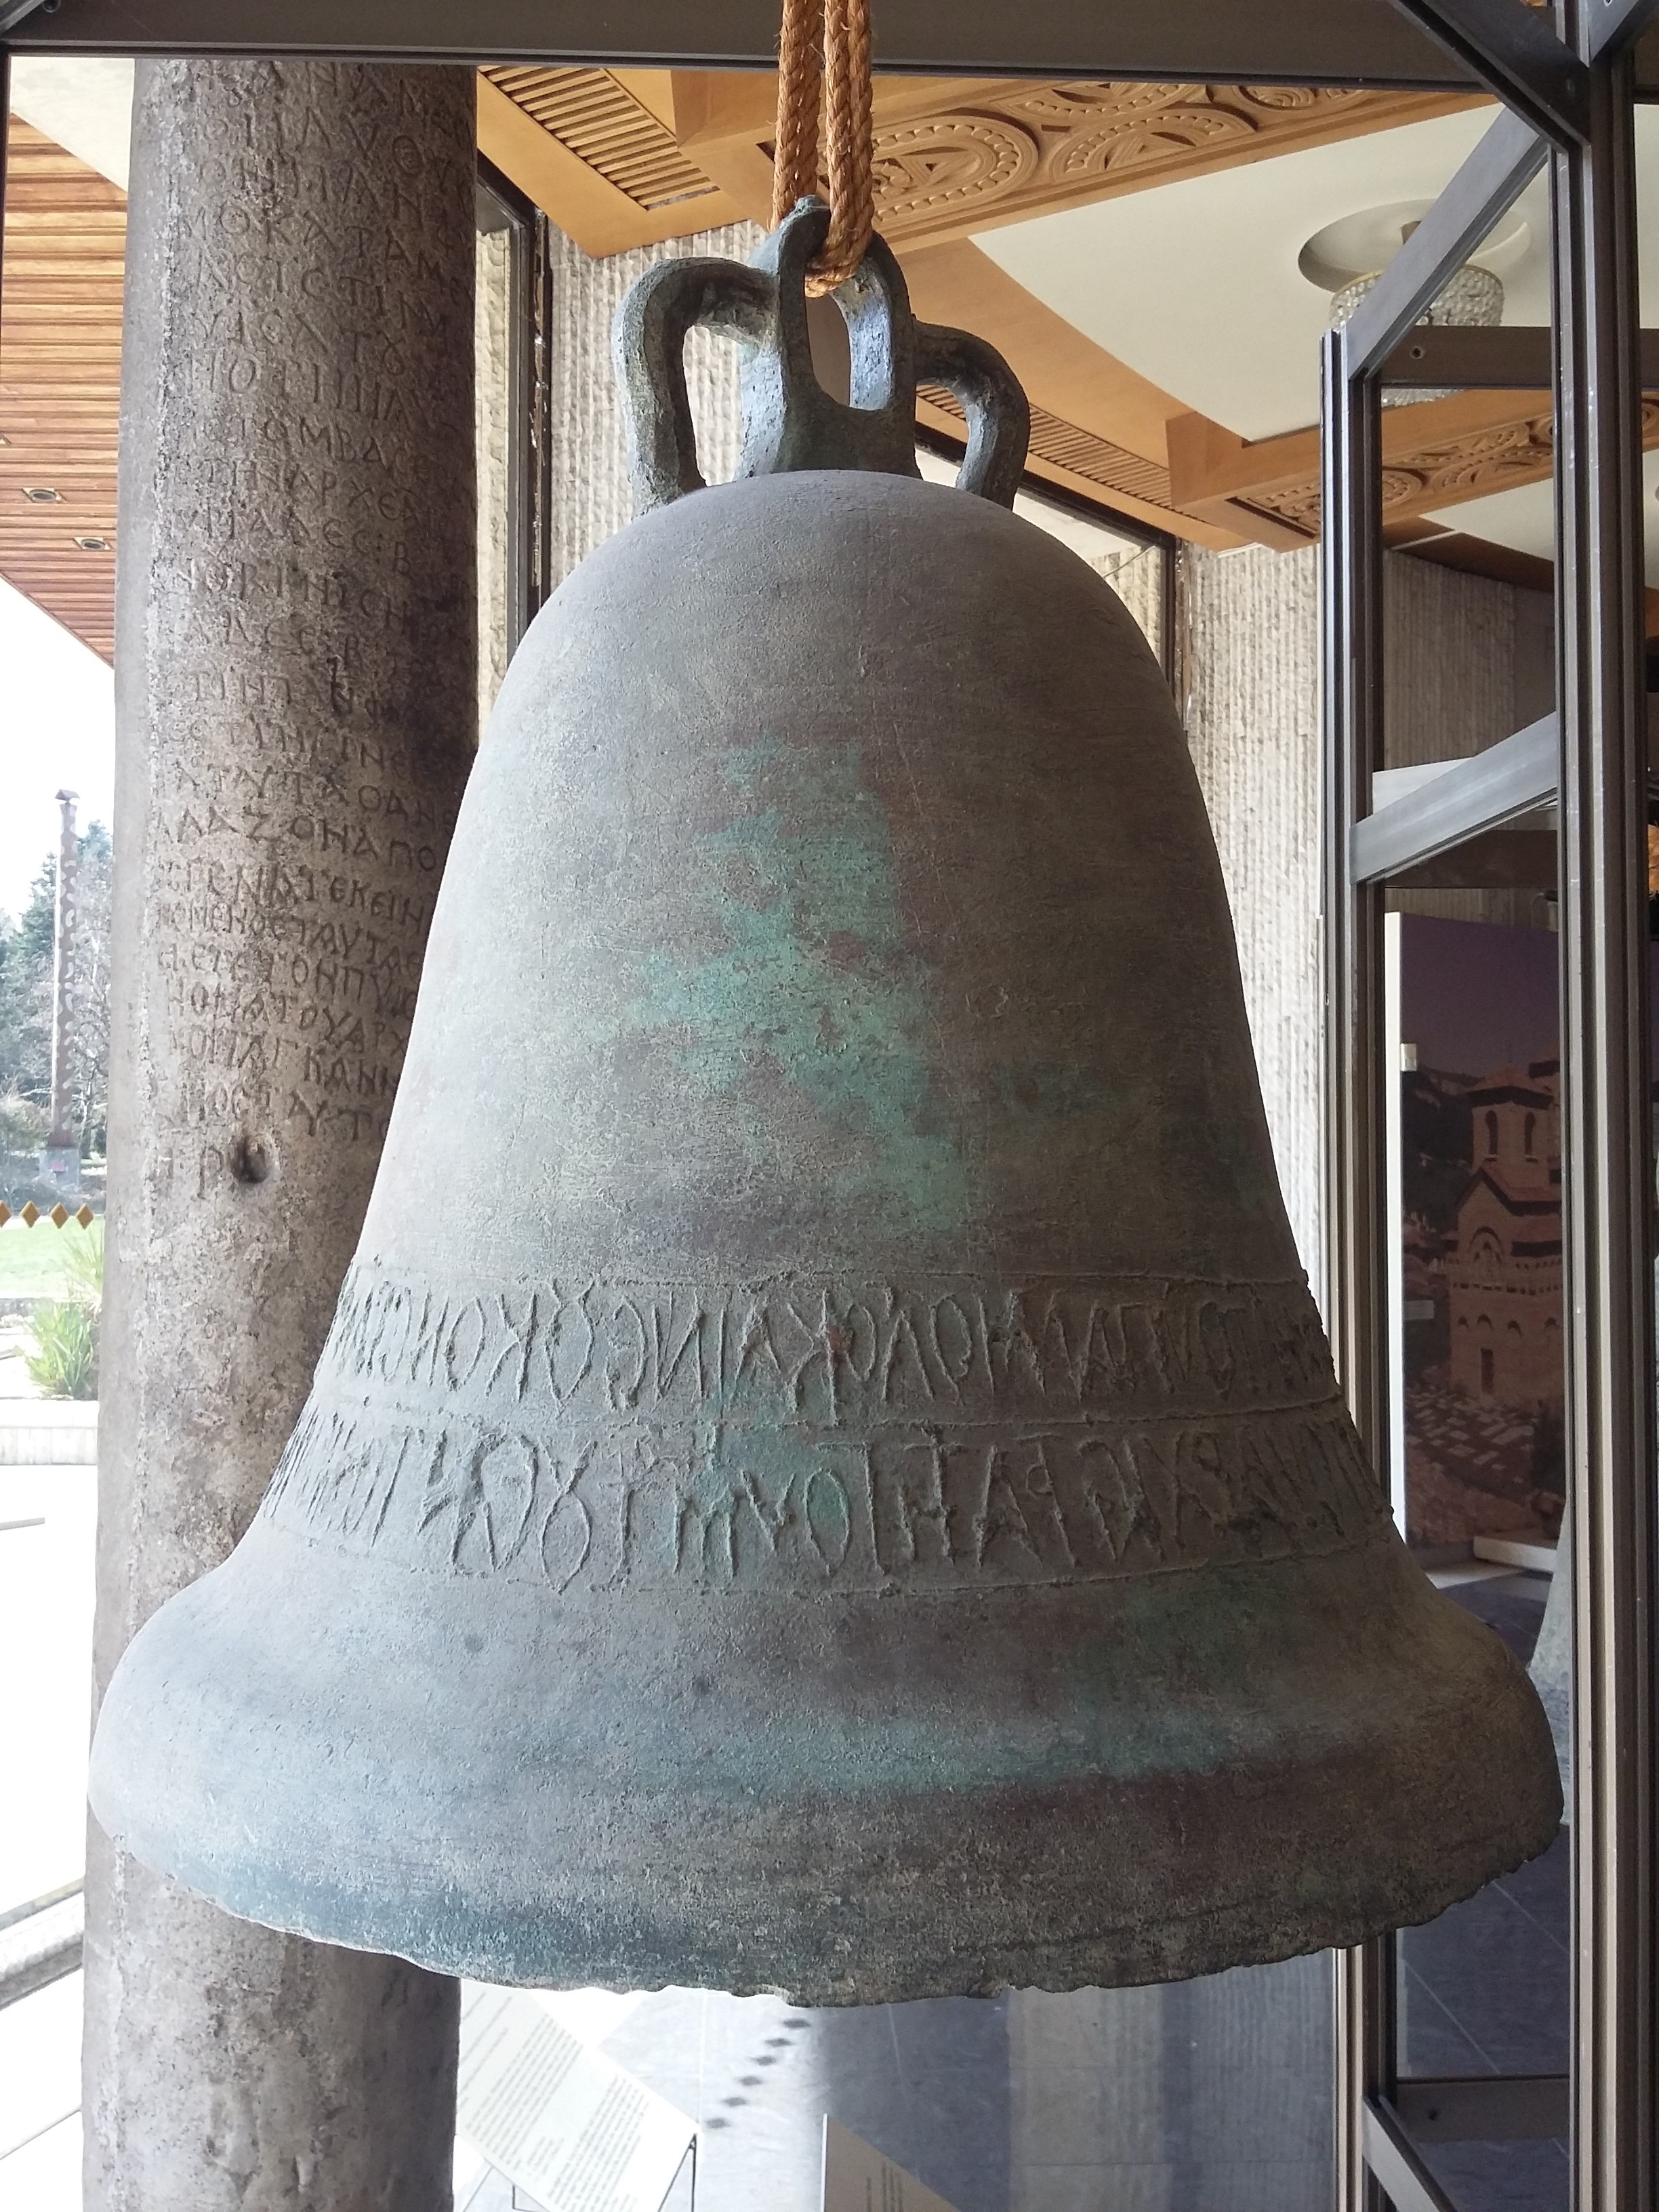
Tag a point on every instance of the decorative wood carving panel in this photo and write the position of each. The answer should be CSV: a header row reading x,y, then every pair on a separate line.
x,y
1471,465
949,157
1027,149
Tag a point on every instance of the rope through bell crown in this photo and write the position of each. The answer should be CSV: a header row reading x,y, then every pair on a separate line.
x,y
815,248
823,60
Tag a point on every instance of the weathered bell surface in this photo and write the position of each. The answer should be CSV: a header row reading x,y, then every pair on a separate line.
x,y
826,1476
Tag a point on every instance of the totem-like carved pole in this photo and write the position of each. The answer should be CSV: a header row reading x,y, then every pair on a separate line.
x,y
62,1135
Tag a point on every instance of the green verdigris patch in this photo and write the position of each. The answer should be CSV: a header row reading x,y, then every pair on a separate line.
x,y
816,976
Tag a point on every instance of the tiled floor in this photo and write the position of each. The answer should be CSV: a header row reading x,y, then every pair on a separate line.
x,y
1208,2097
46,1518
46,1645
40,2100
926,2083
1486,1988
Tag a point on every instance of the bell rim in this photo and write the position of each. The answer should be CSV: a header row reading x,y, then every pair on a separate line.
x,y
613,1919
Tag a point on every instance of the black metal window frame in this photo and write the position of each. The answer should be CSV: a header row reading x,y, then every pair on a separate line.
x,y
1367,42
1569,104
1575,116
525,226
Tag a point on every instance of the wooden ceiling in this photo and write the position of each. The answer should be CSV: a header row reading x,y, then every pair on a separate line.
x,y
60,377
626,158
638,155
622,158
955,156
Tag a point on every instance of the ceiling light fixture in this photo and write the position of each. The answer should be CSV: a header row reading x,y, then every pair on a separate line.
x,y
1473,298
1348,257
43,495
93,544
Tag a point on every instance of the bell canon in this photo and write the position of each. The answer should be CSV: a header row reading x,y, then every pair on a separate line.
x,y
826,1476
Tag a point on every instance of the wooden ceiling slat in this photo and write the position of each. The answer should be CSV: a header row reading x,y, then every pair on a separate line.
x,y
60,380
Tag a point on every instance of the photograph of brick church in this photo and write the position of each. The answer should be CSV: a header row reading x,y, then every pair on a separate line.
x,y
1481,1188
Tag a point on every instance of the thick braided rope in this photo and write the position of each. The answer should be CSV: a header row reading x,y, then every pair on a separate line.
x,y
841,29
847,101
800,68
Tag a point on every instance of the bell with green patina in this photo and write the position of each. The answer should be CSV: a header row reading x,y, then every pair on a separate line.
x,y
826,1476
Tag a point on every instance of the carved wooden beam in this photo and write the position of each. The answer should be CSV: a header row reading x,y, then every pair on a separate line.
x,y
596,148
954,155
622,158
1435,455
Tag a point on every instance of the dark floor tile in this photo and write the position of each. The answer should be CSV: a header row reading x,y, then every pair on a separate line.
x,y
1515,2177
947,2035
1503,1979
1235,2186
1093,2188
1247,2065
1511,1604
927,2084
1543,1890
1432,2046
1255,2185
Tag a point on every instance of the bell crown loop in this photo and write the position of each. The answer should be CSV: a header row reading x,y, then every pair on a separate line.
x,y
790,421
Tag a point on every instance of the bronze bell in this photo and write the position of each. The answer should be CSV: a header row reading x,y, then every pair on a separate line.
x,y
826,1475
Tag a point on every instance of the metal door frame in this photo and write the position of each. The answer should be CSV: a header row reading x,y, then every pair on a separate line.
x,y
1569,104
1608,1172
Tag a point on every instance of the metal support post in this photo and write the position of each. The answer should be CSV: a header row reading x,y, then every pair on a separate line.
x,y
1489,182
1296,42
1351,593
1516,52
1606,1143
5,147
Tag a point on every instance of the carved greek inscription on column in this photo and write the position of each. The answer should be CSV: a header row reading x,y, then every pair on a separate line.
x,y
586,1434
306,646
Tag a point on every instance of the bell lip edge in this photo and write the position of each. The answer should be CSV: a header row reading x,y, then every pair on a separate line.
x,y
1180,1963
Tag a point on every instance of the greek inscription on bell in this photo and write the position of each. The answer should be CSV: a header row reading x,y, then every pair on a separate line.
x,y
589,1436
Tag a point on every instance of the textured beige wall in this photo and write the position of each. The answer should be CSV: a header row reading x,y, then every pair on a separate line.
x,y
492,309
1212,2093
1248,676
1138,579
592,500
1467,662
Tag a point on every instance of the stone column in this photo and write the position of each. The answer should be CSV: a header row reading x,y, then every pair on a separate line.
x,y
296,699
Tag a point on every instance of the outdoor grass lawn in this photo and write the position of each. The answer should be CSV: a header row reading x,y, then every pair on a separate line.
x,y
34,1263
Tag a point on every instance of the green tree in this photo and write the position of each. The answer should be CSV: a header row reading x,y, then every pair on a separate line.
x,y
25,957
90,984
26,992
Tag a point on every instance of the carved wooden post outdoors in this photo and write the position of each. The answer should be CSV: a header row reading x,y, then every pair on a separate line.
x,y
62,1136
296,702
